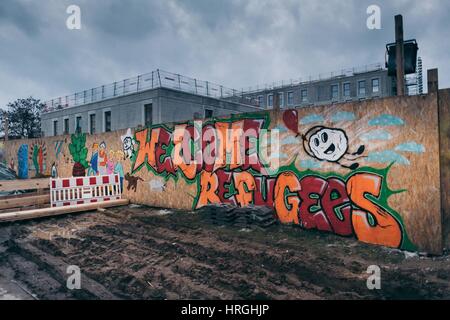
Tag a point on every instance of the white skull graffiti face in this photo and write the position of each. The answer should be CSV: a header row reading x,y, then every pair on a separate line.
x,y
127,143
328,144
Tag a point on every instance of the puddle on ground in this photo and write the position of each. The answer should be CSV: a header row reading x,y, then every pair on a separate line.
x,y
5,295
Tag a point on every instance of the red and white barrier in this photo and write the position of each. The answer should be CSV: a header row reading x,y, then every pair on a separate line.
x,y
80,190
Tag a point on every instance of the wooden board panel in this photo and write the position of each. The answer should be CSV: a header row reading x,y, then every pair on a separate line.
x,y
24,201
398,133
48,212
444,141
28,184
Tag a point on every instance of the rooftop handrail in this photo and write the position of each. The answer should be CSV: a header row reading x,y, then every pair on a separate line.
x,y
346,72
165,79
151,80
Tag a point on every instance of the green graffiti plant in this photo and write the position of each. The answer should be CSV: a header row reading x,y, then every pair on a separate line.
x,y
79,152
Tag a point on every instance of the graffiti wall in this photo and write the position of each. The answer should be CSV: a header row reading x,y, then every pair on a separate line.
x,y
367,170
444,151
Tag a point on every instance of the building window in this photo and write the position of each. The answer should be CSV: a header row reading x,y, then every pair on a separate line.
x,y
281,99
290,98
260,101
55,127
362,88
148,110
92,123
375,85
107,121
304,95
270,101
78,124
334,92
208,113
347,89
66,126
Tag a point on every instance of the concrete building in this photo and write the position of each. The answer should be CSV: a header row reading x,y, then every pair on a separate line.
x,y
346,85
163,97
157,97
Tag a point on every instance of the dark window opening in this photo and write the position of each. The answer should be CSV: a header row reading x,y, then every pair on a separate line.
x,y
346,89
92,123
270,100
334,92
304,95
78,124
107,121
208,113
66,126
362,88
148,109
290,98
375,85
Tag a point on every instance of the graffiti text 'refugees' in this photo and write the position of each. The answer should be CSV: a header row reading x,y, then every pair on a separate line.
x,y
327,204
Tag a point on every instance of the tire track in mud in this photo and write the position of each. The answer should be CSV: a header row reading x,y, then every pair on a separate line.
x,y
280,271
135,254
159,245
216,263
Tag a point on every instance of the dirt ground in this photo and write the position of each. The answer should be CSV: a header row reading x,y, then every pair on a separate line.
x,y
147,253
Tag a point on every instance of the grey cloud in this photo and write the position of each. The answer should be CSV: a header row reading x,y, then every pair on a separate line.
x,y
20,16
237,43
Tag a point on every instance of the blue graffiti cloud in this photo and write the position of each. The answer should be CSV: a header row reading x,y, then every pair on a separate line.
x,y
387,156
386,120
280,155
290,140
376,135
310,164
410,146
311,119
280,128
343,116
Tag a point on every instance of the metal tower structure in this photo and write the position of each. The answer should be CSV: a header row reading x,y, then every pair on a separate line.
x,y
419,76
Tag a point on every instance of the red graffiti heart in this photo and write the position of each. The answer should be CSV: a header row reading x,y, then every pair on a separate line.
x,y
290,119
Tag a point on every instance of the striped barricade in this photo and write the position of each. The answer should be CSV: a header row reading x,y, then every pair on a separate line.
x,y
82,190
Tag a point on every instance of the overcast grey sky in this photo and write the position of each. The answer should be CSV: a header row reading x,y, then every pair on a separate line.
x,y
236,43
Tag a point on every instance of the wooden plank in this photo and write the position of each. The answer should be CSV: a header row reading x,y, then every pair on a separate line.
x,y
23,195
28,184
48,212
24,201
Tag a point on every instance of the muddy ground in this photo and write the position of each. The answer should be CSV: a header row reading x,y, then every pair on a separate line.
x,y
148,253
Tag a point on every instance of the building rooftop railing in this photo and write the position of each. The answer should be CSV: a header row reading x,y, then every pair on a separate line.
x,y
347,72
152,80
164,79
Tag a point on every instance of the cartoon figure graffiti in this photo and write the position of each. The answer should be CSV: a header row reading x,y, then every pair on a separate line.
x,y
132,182
93,170
54,172
38,154
22,155
329,144
128,143
79,152
58,148
102,159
